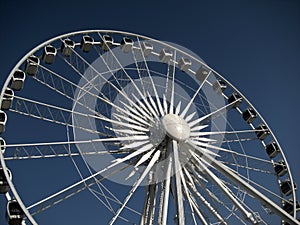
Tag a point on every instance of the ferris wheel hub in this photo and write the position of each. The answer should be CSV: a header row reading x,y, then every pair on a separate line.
x,y
176,127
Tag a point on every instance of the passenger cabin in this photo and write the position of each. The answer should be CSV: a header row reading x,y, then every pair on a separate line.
x,y
2,145
4,186
280,168
288,206
202,73
17,80
86,43
32,65
184,64
14,213
262,131
126,44
272,150
7,99
219,86
249,115
165,55
49,54
236,98
147,48
107,42
67,47
3,119
286,187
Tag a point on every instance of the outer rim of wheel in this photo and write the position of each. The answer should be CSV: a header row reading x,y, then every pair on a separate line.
x,y
23,59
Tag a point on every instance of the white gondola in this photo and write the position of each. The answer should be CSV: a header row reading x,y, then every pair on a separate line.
x,y
249,115
32,65
14,213
184,64
202,73
272,150
4,186
49,54
7,99
262,131
67,47
17,80
3,119
126,44
219,86
234,97
280,168
286,187
107,42
86,43
147,48
165,55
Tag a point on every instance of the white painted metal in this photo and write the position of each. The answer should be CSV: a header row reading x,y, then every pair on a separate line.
x,y
147,127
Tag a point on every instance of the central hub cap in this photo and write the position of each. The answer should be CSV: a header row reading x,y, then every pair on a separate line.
x,y
176,127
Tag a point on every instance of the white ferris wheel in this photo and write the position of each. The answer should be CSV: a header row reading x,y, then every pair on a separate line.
x,y
111,127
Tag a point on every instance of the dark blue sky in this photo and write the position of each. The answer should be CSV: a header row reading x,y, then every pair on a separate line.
x,y
254,44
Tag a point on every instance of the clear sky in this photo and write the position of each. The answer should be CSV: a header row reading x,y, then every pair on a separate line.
x,y
255,44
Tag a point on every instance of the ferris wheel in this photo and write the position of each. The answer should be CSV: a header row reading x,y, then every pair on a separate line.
x,y
111,127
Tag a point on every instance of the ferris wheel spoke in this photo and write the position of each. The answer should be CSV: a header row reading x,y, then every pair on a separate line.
x,y
151,80
143,109
136,112
227,172
50,147
148,216
40,117
75,188
153,104
213,114
183,113
98,74
178,195
247,167
129,120
212,210
104,98
22,100
95,192
165,104
139,70
211,203
189,117
247,156
246,133
212,198
164,201
50,83
48,112
261,187
173,85
192,187
231,211
177,110
127,75
93,82
145,148
192,204
123,93
136,184
248,215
